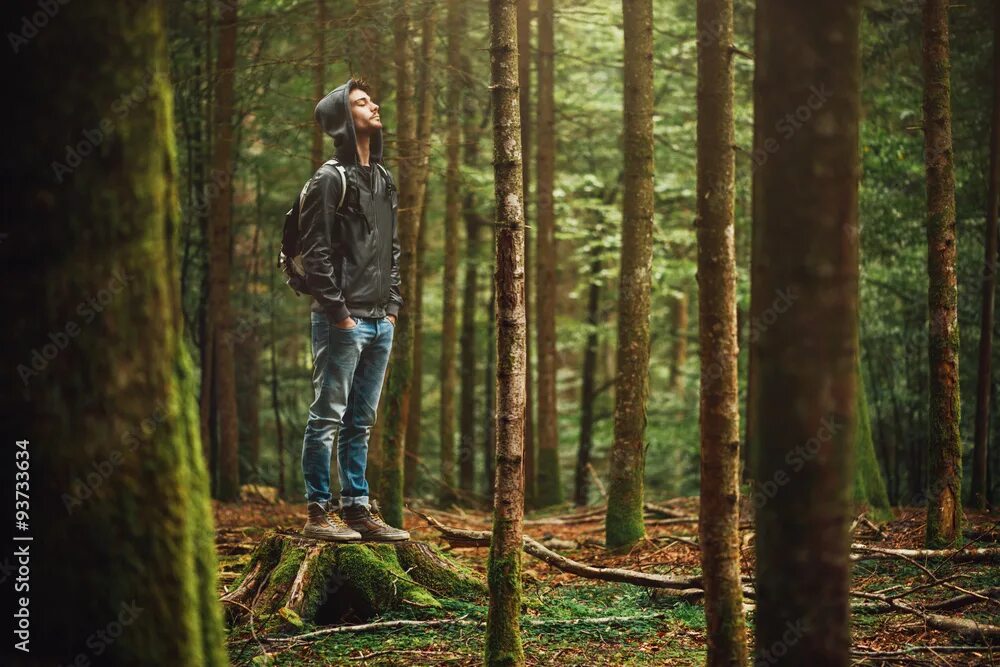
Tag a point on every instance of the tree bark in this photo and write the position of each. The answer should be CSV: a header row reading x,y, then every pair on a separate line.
x,y
118,395
524,99
805,225
678,354
503,633
719,509
581,489
400,372
453,211
548,488
220,261
979,498
624,519
469,355
944,505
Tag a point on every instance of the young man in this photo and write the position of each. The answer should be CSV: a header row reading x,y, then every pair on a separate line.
x,y
350,254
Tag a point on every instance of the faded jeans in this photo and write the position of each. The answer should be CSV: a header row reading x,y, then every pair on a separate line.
x,y
348,368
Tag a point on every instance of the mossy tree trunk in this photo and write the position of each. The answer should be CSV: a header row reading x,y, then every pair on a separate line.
x,y
453,210
326,583
805,226
624,518
944,490
113,455
524,100
678,352
719,509
978,497
220,257
548,488
400,371
503,634
869,484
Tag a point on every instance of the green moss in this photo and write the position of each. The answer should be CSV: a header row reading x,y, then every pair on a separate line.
x,y
503,621
374,572
624,524
869,486
441,574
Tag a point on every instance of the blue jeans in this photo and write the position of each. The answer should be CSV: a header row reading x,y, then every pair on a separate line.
x,y
348,368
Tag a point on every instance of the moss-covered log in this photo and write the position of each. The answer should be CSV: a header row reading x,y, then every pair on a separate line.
x,y
291,579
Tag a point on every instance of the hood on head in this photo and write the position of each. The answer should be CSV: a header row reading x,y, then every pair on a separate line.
x,y
333,113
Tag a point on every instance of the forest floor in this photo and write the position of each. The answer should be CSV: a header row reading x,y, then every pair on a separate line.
x,y
655,629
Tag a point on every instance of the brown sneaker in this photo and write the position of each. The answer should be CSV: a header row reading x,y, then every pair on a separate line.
x,y
369,522
323,526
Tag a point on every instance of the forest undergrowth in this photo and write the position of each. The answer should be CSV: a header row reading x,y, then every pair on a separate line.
x,y
637,625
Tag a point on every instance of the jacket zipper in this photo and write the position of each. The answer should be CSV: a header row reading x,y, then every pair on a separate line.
x,y
378,249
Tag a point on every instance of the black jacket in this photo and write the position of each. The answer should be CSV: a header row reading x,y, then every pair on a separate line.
x,y
350,255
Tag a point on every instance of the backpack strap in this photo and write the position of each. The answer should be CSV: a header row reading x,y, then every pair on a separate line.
x,y
385,172
343,182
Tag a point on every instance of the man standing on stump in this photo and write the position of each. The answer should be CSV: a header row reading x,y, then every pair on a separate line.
x,y
350,255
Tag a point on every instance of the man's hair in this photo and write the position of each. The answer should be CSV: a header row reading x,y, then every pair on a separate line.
x,y
362,84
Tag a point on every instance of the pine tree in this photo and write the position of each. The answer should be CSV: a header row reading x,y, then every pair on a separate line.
x,y
719,514
944,494
503,634
624,518
805,221
119,509
548,490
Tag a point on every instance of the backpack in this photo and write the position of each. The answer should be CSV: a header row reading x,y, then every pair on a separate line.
x,y
290,255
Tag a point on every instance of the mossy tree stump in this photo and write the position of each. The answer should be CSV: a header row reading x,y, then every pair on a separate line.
x,y
298,579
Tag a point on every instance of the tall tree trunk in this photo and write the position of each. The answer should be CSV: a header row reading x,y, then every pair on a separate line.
x,y
400,372
581,488
979,496
547,484
276,403
453,211
414,425
944,504
806,234
117,397
371,59
469,355
319,81
524,100
247,355
490,416
425,106
719,509
624,518
678,353
220,263
503,632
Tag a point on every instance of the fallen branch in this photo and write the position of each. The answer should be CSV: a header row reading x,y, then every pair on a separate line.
x,y
983,555
459,537
964,627
436,623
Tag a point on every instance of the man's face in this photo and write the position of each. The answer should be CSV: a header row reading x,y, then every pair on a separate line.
x,y
365,112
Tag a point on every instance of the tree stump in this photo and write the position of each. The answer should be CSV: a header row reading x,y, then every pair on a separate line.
x,y
294,579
